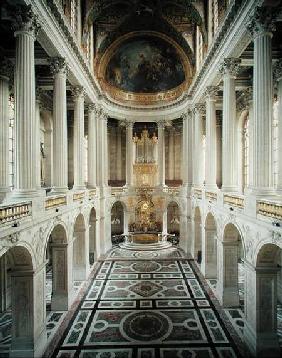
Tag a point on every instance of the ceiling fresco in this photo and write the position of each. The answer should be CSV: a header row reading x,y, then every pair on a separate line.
x,y
145,65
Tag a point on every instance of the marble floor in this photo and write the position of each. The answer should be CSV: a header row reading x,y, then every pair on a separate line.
x,y
146,305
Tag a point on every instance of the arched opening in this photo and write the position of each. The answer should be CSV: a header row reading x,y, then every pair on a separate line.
x,y
230,284
173,219
261,300
58,279
209,248
22,303
92,237
117,219
80,252
196,249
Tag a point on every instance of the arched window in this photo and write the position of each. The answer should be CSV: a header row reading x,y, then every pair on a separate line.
x,y
245,152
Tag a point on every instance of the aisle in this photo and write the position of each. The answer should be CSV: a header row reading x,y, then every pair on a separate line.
x,y
146,305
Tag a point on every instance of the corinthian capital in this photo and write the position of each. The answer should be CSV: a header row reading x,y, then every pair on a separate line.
x,y
25,21
77,92
211,92
230,66
58,65
200,108
277,70
262,21
186,115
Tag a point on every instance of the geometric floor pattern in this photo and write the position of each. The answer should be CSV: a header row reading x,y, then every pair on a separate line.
x,y
146,308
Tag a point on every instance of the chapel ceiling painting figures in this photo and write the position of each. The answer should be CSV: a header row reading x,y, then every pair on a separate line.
x,y
145,65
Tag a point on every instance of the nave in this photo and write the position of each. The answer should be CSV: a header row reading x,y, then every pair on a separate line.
x,y
147,304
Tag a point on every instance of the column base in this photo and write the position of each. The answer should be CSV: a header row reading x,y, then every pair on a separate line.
x,y
79,187
20,195
212,187
61,301
80,272
25,347
229,189
59,190
228,297
263,345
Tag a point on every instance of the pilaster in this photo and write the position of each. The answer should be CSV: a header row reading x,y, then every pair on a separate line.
x,y
278,77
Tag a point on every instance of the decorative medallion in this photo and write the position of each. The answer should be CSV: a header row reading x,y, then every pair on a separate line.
x,y
145,288
146,266
146,326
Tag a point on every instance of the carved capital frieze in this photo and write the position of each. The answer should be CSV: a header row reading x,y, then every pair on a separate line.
x,y
26,21
277,70
6,69
211,92
262,21
58,65
77,92
230,66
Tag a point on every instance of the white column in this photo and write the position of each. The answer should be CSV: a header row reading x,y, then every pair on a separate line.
x,y
92,145
38,107
210,155
184,149
104,157
25,134
171,154
189,146
78,153
99,150
260,330
5,69
119,155
199,111
261,28
60,130
161,153
278,77
129,154
229,69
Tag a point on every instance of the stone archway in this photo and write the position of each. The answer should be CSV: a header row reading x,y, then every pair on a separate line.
x,y
118,222
230,252
80,250
209,248
196,249
93,252
173,218
27,304
260,329
59,269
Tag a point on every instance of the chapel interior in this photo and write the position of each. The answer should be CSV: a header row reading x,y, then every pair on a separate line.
x,y
140,178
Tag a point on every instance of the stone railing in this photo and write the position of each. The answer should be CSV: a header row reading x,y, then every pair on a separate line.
x,y
79,196
270,209
55,202
198,193
233,200
13,212
173,191
211,196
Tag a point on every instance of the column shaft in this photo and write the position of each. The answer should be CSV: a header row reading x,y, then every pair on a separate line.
x,y
189,154
129,154
198,145
78,162
4,136
210,155
92,145
170,154
25,129
184,151
161,154
60,130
